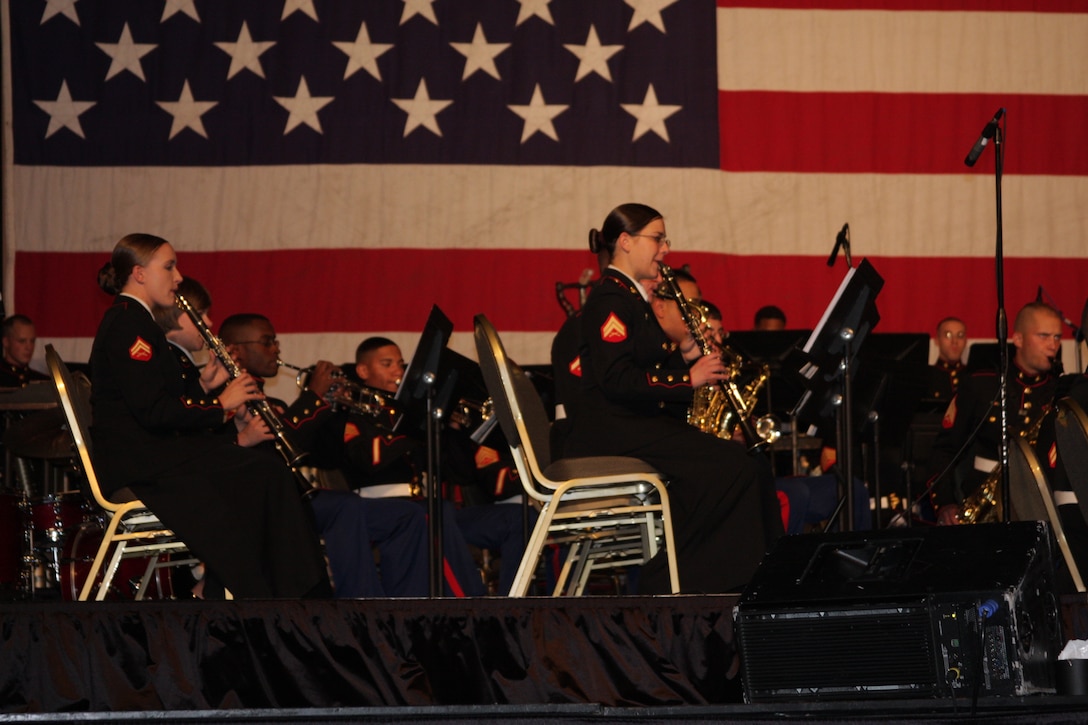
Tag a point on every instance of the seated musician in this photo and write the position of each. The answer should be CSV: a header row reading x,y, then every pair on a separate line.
x,y
237,509
633,380
19,339
945,374
349,525
382,462
976,405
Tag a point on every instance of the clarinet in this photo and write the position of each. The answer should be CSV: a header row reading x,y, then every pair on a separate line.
x,y
291,456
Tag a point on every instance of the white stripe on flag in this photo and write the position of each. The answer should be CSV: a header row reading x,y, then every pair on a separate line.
x,y
902,51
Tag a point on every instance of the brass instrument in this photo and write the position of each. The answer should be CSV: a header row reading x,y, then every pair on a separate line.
x,y
719,409
985,505
350,395
261,408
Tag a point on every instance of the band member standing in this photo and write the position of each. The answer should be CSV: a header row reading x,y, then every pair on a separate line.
x,y
1031,386
238,510
724,508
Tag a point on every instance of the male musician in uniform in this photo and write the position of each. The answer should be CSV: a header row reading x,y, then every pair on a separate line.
x,y
381,462
348,524
1031,388
19,339
945,374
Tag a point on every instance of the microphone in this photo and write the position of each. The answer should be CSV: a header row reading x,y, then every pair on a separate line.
x,y
984,138
842,239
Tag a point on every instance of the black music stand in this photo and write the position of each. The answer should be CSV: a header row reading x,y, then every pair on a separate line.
x,y
784,387
827,362
418,395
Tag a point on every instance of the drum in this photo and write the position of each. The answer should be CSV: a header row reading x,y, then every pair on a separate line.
x,y
58,514
12,539
78,555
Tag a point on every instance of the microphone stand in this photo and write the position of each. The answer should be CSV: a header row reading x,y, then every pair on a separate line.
x,y
1002,326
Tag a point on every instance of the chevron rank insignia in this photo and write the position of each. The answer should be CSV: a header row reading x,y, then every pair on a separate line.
x,y
613,329
575,367
140,350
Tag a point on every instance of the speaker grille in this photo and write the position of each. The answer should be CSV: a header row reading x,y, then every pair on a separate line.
x,y
837,653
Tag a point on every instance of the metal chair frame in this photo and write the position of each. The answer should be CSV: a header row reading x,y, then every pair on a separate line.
x,y
132,531
612,511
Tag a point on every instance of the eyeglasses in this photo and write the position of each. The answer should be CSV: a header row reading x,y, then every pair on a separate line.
x,y
659,238
263,342
957,335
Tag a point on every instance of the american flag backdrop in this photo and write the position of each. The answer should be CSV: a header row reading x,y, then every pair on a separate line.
x,y
342,165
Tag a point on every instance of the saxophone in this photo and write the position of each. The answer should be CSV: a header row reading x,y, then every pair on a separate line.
x,y
719,409
985,505
261,408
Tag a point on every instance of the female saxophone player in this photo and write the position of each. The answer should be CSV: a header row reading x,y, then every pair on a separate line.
x,y
237,509
724,509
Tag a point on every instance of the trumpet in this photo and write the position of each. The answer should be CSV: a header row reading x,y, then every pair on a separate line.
x,y
349,395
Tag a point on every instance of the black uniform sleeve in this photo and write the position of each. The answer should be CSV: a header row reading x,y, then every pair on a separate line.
x,y
137,351
614,324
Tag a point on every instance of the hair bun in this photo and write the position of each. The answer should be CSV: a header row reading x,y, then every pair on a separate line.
x,y
107,279
595,240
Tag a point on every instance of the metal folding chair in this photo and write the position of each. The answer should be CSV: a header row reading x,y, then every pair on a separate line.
x,y
132,531
611,511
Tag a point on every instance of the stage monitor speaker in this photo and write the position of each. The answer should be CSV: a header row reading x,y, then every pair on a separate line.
x,y
902,613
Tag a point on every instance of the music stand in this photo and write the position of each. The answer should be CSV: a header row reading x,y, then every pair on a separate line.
x,y
828,360
419,390
773,348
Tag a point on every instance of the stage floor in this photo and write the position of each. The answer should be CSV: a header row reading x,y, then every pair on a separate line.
x,y
451,660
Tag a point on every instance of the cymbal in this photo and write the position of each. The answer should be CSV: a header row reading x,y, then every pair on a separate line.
x,y
37,395
41,435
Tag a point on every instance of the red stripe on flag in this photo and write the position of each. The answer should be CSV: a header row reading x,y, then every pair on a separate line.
x,y
365,290
912,133
1033,6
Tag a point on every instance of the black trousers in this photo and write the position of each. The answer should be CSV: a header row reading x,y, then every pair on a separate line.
x,y
725,512
240,512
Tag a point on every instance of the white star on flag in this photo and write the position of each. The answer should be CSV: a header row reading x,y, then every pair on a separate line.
x,y
306,6
187,112
538,116
303,107
537,8
650,114
362,53
593,57
245,54
648,11
173,7
479,54
64,112
126,54
67,8
421,110
418,7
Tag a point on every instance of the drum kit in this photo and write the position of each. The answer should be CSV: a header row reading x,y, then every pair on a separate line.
x,y
49,535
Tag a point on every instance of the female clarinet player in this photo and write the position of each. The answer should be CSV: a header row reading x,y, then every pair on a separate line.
x,y
636,385
237,509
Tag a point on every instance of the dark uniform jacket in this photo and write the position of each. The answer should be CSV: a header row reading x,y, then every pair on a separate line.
x,y
1029,398
632,374
944,379
12,376
140,400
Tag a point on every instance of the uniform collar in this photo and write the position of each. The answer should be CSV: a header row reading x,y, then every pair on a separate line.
x,y
634,285
142,303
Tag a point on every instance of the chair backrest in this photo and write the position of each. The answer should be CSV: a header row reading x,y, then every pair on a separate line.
x,y
1071,432
76,404
521,412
